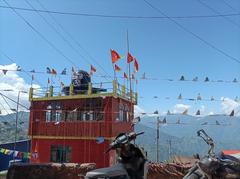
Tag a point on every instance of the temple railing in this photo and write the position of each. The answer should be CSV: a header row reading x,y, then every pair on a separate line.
x,y
86,91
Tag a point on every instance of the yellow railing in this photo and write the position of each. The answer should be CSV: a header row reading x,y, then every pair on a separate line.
x,y
112,89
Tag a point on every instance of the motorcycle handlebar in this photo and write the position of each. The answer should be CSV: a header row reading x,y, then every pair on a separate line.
x,y
129,137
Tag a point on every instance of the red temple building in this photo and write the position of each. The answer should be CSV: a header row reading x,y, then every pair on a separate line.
x,y
77,123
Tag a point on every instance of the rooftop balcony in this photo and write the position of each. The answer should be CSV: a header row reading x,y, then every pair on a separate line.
x,y
105,89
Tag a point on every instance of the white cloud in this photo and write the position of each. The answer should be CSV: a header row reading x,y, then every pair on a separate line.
x,y
229,104
12,81
138,111
179,108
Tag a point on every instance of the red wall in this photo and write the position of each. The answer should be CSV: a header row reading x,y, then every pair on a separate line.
x,y
83,151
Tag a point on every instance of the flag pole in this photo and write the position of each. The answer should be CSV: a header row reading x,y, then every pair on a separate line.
x,y
129,69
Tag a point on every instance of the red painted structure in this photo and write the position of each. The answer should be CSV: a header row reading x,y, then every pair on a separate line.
x,y
65,128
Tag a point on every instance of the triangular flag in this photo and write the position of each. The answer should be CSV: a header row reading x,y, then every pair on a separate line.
x,y
136,65
93,69
115,56
178,121
4,72
48,70
125,75
182,78
198,112
212,98
199,97
232,113
19,68
180,96
195,79
133,77
164,120
185,112
61,84
53,72
117,68
168,112
206,79
64,72
129,58
235,80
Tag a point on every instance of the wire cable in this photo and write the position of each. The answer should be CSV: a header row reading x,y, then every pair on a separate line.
x,y
72,38
217,13
194,34
121,16
40,34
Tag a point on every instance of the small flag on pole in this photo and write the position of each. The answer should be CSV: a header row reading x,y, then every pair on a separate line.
x,y
136,65
125,75
93,69
48,81
129,58
117,68
115,56
133,77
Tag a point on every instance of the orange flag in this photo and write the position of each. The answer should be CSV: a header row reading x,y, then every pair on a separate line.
x,y
117,68
129,58
93,69
136,65
133,76
115,56
125,75
53,72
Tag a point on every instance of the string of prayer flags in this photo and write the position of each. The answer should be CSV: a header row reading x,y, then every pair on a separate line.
x,y
18,154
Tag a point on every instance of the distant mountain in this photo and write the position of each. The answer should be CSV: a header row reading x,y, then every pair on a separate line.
x,y
224,130
8,127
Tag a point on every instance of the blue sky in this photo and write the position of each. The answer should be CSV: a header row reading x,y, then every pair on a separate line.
x,y
163,49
